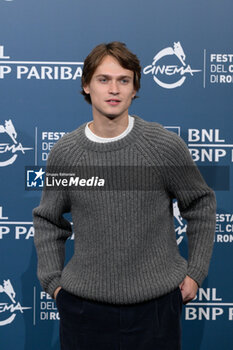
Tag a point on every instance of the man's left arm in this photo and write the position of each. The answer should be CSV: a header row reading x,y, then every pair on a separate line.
x,y
197,205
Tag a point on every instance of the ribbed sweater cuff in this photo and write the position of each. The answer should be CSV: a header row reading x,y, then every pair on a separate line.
x,y
196,274
53,285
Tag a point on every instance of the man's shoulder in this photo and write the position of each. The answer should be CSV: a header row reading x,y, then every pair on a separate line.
x,y
159,134
158,141
66,143
69,138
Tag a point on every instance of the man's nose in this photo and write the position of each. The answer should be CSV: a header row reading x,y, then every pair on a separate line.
x,y
113,87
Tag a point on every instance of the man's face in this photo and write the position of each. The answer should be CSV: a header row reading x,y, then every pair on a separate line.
x,y
111,89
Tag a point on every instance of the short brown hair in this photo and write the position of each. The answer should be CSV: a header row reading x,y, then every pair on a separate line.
x,y
120,52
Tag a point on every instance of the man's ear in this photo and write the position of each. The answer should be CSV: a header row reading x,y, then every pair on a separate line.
x,y
134,94
86,89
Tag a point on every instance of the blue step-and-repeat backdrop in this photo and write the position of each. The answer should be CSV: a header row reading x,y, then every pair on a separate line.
x,y
186,53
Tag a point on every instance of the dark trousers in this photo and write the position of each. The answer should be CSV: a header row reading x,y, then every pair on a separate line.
x,y
91,325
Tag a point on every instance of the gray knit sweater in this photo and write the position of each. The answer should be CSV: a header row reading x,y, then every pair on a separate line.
x,y
125,248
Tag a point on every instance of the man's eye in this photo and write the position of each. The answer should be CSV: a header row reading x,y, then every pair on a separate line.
x,y
103,80
124,81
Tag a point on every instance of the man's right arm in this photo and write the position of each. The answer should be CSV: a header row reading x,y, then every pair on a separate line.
x,y
51,233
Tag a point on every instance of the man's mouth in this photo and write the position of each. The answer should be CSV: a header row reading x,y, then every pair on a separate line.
x,y
113,101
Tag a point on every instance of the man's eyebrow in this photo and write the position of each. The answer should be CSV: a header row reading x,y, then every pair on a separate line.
x,y
110,76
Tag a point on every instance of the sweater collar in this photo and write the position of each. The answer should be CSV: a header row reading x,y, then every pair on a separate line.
x,y
130,138
97,138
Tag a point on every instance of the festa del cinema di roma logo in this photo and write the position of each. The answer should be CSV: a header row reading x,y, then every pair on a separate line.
x,y
9,149
160,71
8,310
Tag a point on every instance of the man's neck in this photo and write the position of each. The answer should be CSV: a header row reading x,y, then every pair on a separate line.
x,y
109,127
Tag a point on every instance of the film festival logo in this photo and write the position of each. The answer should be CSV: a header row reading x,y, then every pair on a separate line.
x,y
9,309
11,147
163,73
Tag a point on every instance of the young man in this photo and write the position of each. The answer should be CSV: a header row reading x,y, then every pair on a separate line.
x,y
125,284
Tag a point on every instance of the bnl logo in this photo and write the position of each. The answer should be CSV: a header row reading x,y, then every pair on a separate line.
x,y
35,178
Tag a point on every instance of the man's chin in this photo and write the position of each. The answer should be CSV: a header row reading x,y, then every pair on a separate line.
x,y
111,116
